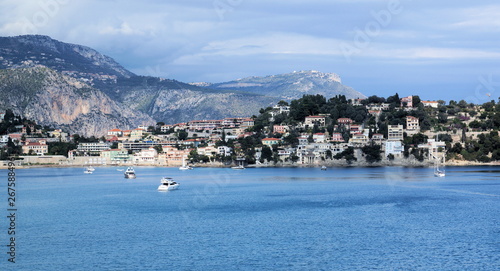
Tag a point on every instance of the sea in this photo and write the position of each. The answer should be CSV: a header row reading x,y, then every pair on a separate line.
x,y
380,218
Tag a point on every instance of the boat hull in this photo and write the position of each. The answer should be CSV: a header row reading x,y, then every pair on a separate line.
x,y
167,187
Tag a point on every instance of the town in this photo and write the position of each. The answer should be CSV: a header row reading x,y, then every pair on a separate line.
x,y
310,131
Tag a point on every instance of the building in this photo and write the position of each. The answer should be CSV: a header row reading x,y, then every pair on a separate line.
x,y
337,137
357,102
378,138
4,139
93,147
359,139
204,124
142,145
247,123
345,121
116,156
355,129
412,124
271,141
16,137
303,140
407,101
394,147
115,132
318,120
395,133
149,156
137,134
209,151
282,109
432,104
64,137
172,156
232,122
437,149
378,107
224,150
320,138
38,148
166,128
280,129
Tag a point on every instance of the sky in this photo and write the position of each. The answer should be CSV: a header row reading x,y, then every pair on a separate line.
x,y
445,50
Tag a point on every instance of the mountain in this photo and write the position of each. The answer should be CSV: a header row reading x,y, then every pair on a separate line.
x,y
60,101
75,60
290,86
77,88
172,101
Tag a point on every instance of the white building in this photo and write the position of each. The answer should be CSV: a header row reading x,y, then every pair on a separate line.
x,y
148,156
395,133
394,147
93,147
225,150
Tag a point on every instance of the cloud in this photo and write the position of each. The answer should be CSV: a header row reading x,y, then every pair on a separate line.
x,y
483,18
188,40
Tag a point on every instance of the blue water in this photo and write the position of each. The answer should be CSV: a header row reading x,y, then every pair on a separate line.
x,y
255,219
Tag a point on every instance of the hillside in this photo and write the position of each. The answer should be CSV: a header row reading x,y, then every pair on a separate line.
x,y
53,99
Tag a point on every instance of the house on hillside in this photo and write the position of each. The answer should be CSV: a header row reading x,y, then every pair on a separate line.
x,y
38,148
318,120
407,101
412,124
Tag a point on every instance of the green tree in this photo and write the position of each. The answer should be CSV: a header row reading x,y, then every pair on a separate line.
x,y
182,135
267,153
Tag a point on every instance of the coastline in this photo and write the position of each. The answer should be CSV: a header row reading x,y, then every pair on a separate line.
x,y
410,163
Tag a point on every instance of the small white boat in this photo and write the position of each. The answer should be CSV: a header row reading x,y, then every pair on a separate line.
x,y
438,172
167,184
184,166
89,170
323,168
130,173
240,166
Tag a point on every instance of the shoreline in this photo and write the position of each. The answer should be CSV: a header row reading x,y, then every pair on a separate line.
x,y
329,164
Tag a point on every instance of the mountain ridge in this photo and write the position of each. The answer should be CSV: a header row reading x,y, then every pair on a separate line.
x,y
119,98
290,86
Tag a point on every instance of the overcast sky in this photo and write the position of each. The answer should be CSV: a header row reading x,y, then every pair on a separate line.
x,y
445,50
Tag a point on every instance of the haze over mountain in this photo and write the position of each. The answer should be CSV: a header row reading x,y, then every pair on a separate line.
x,y
79,89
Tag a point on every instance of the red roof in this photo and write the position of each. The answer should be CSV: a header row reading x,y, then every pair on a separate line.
x,y
270,139
115,130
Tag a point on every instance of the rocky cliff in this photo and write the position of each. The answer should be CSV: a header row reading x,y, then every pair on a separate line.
x,y
53,99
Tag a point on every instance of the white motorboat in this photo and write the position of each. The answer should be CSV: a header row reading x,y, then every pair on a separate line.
x,y
89,170
167,184
323,168
130,173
